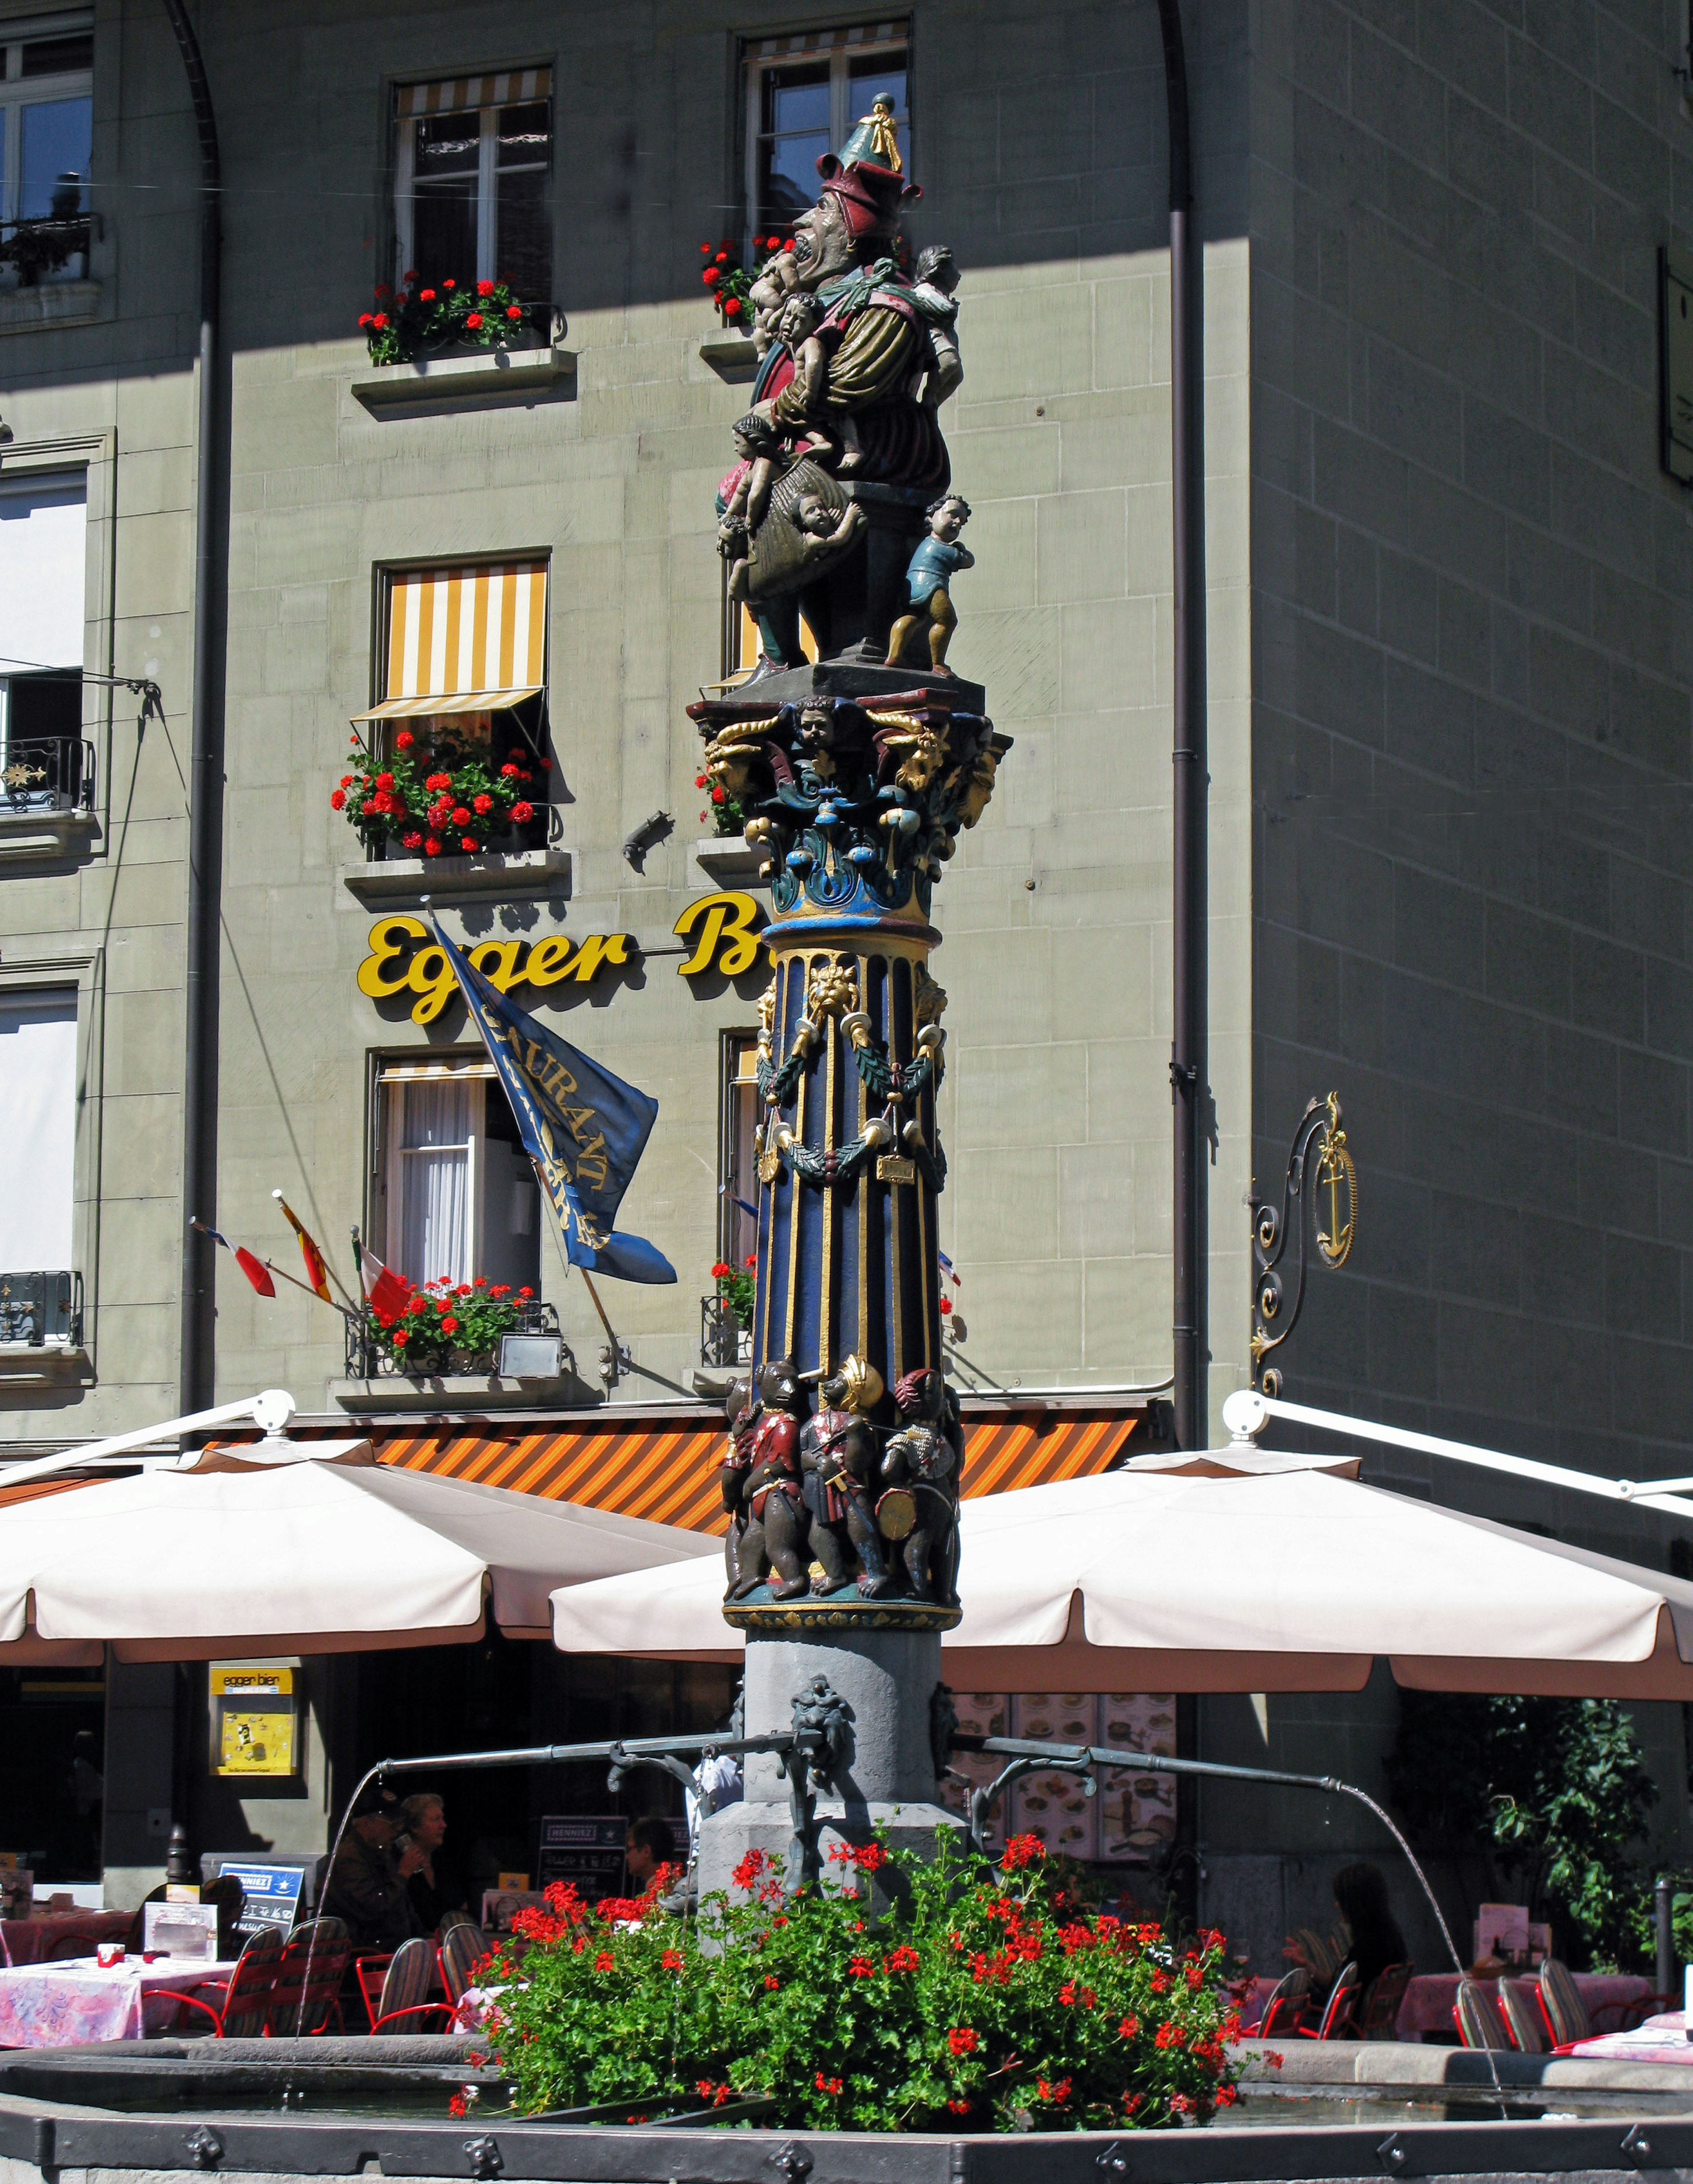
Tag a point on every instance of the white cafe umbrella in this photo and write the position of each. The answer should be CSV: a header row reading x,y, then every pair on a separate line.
x,y
1235,1572
296,1547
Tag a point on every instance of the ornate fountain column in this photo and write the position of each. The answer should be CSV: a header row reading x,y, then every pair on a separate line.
x,y
854,774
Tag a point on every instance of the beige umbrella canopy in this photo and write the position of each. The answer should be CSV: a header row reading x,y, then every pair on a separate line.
x,y
296,1547
1235,1572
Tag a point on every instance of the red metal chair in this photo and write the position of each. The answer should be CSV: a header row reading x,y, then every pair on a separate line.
x,y
370,1972
1525,2019
306,1998
1339,2016
246,1993
1288,2006
1477,2014
410,1975
462,1948
76,1943
1377,2016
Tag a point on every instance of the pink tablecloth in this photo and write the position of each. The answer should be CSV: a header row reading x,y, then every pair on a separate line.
x,y
32,1941
63,2004
1430,1999
1659,2039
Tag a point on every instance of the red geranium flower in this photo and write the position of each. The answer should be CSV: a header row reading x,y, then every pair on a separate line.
x,y
473,320
605,1962
449,1325
470,845
523,813
384,781
405,739
460,817
380,321
364,319
398,1338
450,284
731,308
711,276
705,250
718,797
772,1981
431,848
508,772
722,258
829,2086
412,275
946,1305
484,803
411,841
526,1291
485,287
383,289
337,798
426,295
438,781
513,310
671,1960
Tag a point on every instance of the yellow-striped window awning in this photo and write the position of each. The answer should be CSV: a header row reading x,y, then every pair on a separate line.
x,y
667,1471
480,629
463,94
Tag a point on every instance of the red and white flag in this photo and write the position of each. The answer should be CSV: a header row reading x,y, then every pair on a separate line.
x,y
384,1292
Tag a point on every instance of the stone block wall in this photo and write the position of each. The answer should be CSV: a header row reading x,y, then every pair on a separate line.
x,y
1473,649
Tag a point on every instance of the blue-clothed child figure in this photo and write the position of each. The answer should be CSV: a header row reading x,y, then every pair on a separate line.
x,y
938,559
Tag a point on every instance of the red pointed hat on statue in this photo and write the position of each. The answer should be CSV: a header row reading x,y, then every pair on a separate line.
x,y
870,197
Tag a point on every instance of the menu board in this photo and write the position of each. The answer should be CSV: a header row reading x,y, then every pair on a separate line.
x,y
586,1851
272,1894
1138,1812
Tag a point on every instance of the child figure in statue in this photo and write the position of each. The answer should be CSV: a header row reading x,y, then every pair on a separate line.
x,y
933,566
932,293
758,447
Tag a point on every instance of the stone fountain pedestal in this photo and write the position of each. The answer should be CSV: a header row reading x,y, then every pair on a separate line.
x,y
887,1677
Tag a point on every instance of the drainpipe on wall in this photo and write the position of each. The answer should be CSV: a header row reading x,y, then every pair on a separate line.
x,y
1187,1074
205,782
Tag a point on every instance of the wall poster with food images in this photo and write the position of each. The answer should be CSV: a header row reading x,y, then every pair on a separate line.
x,y
1054,1806
980,1714
1137,1818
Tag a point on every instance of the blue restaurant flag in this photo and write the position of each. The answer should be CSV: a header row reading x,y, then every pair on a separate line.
x,y
584,1128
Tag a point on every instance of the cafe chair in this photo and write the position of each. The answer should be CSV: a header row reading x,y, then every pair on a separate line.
x,y
1339,2016
1478,2016
1524,2019
462,1948
1378,2013
370,1972
1285,2011
244,1997
1568,2019
410,1976
306,1999
76,1943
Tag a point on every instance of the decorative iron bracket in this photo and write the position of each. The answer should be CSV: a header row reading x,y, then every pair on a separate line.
x,y
983,1801
1321,1135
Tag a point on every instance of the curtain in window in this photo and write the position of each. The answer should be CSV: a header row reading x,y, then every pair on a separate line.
x,y
38,1100
435,1123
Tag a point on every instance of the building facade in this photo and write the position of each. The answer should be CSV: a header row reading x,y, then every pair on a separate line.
x,y
1446,683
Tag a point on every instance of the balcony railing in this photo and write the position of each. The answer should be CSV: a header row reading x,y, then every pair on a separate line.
x,y
33,248
722,1339
38,1308
369,1359
46,773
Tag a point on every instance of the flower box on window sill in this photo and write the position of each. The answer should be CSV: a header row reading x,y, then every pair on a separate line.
x,y
49,304
464,382
460,1392
728,860
454,879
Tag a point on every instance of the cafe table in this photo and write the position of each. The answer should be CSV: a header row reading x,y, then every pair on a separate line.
x,y
33,1941
78,1999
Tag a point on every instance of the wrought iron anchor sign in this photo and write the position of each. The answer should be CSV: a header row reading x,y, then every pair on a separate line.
x,y
1320,1139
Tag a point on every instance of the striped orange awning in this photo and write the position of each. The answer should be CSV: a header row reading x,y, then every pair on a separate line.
x,y
482,629
463,94
668,1472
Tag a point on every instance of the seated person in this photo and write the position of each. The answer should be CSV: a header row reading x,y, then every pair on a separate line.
x,y
366,1887
434,1887
650,1844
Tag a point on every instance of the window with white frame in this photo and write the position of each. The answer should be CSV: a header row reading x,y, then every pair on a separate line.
x,y
38,1098
473,168
43,555
459,1196
805,95
47,127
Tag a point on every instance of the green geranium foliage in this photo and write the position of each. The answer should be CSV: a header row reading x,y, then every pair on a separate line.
x,y
1555,1792
982,2001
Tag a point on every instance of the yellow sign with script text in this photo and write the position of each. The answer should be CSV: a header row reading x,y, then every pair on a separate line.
x,y
403,959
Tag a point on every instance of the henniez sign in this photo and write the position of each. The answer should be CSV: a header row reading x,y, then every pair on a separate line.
x,y
723,929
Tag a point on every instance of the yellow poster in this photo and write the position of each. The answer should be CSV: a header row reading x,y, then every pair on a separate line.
x,y
255,1720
